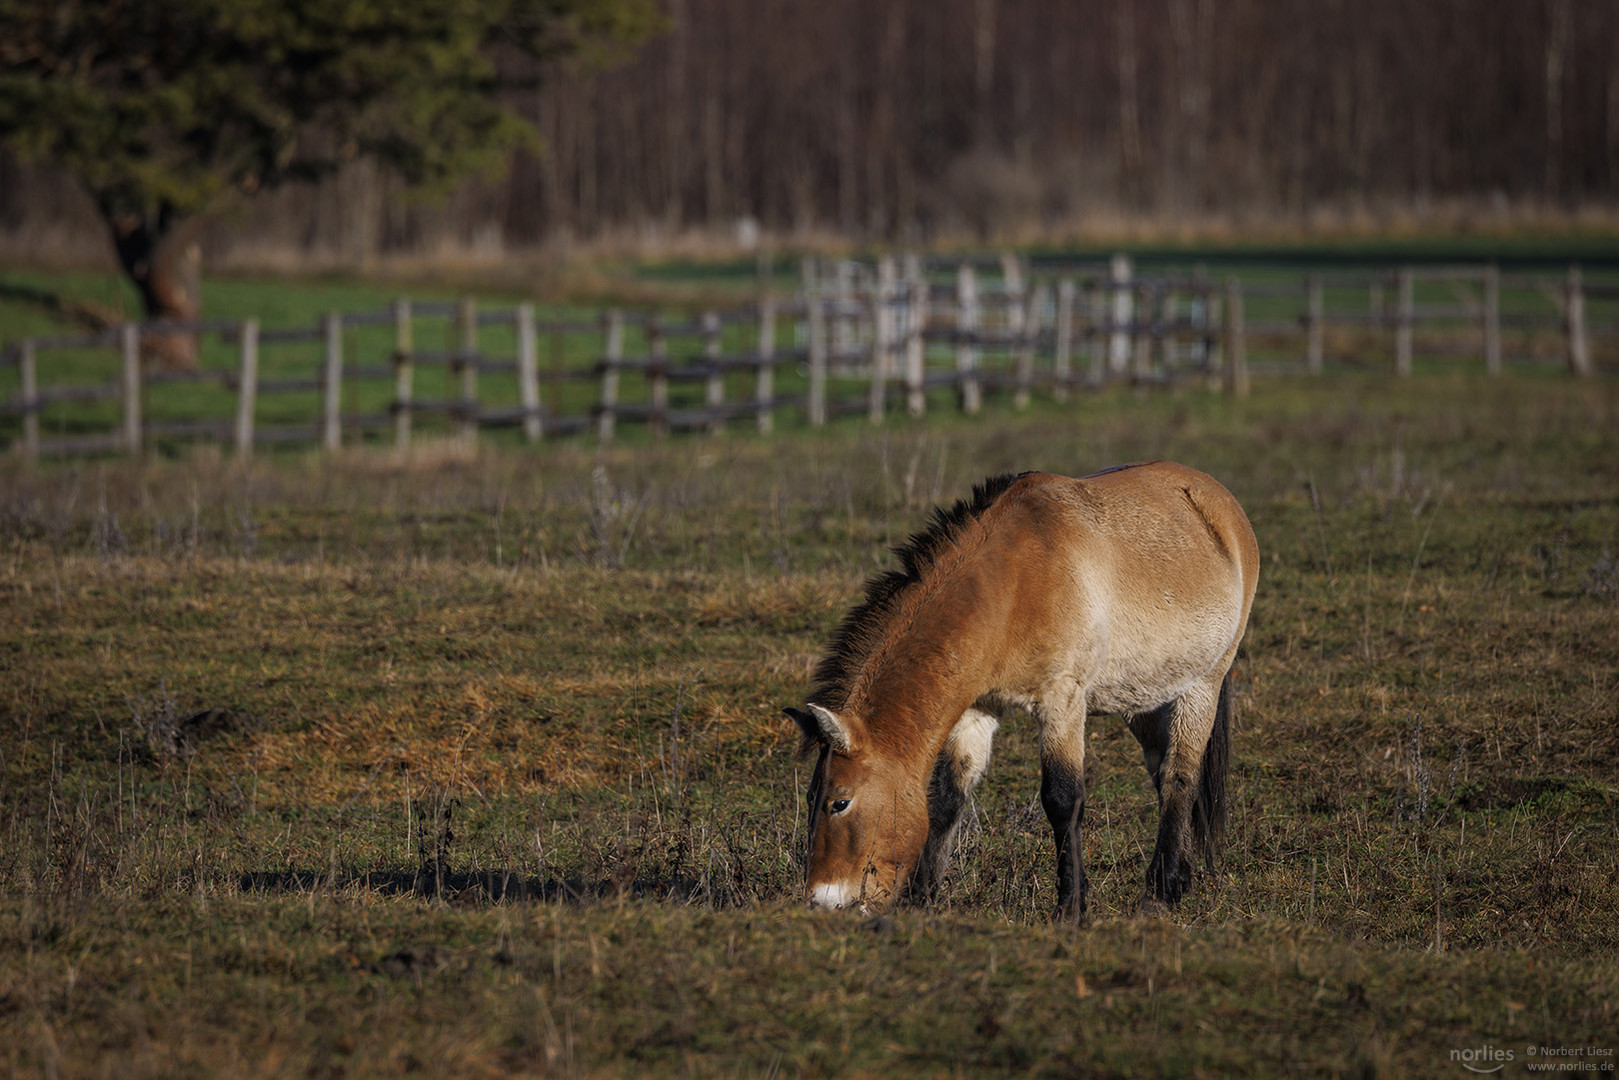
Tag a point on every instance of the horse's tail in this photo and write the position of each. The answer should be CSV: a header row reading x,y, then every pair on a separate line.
x,y
1209,810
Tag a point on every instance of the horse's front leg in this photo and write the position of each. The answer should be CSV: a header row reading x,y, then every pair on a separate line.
x,y
955,774
1062,794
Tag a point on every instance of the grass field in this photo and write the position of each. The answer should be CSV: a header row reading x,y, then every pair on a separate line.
x,y
474,764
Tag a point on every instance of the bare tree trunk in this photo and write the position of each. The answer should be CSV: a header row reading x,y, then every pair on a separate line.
x,y
1558,19
883,216
1129,108
588,205
714,208
983,70
848,136
1612,119
675,110
1187,128
160,255
1368,103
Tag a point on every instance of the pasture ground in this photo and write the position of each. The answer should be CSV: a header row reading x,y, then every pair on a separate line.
x,y
496,779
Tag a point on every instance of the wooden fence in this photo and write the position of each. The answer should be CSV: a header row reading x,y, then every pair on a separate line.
x,y
856,338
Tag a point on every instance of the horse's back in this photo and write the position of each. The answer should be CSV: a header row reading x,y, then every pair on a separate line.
x,y
1160,512
1158,566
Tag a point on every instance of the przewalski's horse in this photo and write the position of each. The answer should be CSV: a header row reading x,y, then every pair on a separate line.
x,y
1122,592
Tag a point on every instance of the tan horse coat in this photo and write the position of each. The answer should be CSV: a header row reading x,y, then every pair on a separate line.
x,y
1124,592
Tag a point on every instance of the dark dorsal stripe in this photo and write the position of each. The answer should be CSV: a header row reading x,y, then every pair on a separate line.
x,y
862,628
1117,468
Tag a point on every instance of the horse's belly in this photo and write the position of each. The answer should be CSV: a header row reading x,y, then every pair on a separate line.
x,y
1135,672
1133,691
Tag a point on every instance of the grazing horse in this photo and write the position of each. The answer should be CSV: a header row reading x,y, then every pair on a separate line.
x,y
1124,592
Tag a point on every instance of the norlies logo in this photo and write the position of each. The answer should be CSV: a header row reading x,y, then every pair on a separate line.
x,y
1482,1059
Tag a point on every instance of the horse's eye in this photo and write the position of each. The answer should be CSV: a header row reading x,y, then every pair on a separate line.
x,y
838,806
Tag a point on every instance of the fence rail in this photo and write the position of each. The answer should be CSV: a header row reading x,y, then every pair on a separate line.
x,y
855,338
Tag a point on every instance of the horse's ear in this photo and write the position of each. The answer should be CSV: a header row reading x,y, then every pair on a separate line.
x,y
834,731
822,725
806,723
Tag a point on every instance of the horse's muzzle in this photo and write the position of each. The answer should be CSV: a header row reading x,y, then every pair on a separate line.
x,y
832,896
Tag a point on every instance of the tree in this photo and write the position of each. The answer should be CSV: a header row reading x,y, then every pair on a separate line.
x,y
164,109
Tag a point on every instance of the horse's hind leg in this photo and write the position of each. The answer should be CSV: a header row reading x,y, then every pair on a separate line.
x,y
958,770
1174,740
1151,730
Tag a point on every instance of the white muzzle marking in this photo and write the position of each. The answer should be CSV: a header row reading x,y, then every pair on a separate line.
x,y
831,896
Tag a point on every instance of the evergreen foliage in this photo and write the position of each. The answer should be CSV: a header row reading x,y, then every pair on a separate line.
x,y
162,107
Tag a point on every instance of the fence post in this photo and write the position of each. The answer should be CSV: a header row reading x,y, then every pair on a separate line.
x,y
1314,325
882,340
1012,274
1142,332
764,383
1098,302
972,392
1579,346
714,383
843,318
816,332
1492,319
657,374
916,398
1235,368
1168,318
1404,321
1203,291
528,374
30,400
332,428
129,342
466,362
1017,322
1120,272
1028,332
247,391
1062,362
608,416
809,289
404,378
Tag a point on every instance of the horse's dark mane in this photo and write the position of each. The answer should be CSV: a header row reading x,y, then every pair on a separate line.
x,y
861,628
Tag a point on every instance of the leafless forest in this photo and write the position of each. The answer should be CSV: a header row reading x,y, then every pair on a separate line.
x,y
915,120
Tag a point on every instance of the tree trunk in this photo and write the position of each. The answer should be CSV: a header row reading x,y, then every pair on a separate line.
x,y
161,257
1130,163
1557,40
